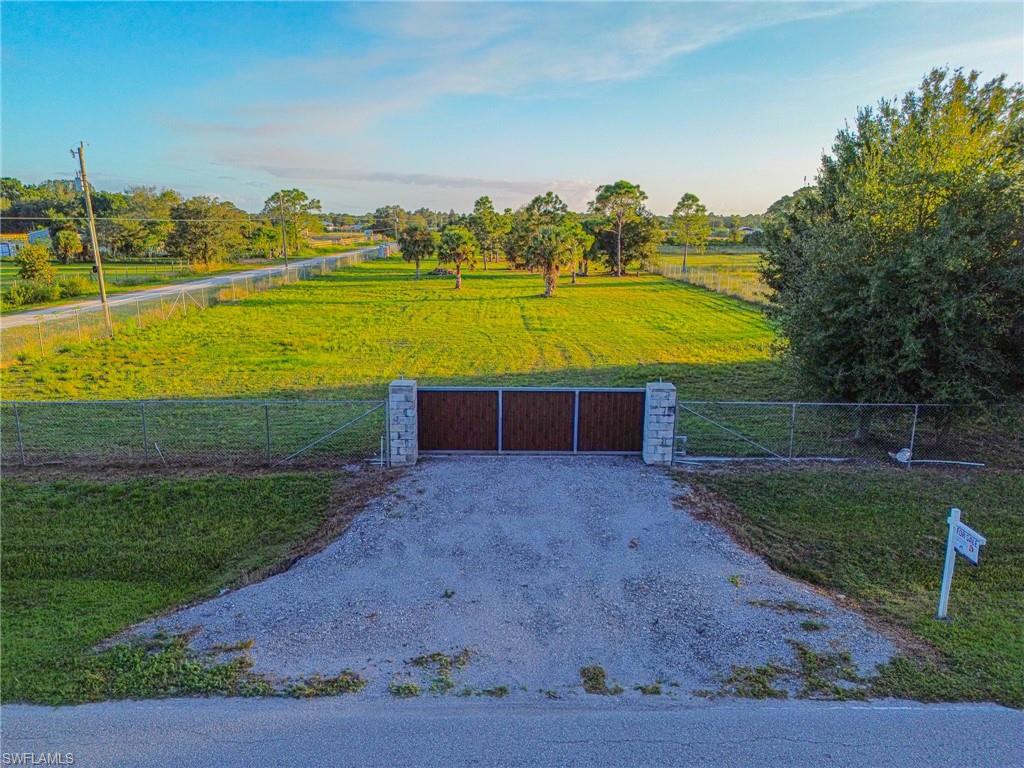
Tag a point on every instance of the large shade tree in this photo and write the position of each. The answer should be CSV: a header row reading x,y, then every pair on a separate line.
x,y
459,248
417,243
899,276
206,230
619,202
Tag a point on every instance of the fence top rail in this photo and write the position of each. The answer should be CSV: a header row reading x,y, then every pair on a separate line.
x,y
253,402
530,389
814,404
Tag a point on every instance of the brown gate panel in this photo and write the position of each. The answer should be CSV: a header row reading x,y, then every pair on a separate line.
x,y
611,421
537,421
457,421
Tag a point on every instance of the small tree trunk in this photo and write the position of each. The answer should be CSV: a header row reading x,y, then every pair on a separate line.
x,y
686,249
618,251
458,275
417,268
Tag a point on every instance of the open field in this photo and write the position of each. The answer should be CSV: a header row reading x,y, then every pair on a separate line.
x,y
735,271
84,559
877,536
348,333
124,276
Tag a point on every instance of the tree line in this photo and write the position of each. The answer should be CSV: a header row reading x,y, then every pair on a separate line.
x,y
143,222
617,231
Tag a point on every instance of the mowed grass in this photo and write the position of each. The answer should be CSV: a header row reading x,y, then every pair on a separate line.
x,y
84,559
348,333
738,273
878,536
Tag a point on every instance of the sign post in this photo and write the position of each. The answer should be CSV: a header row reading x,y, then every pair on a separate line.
x,y
968,543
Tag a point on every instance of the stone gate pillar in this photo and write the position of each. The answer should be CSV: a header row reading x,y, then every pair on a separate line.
x,y
659,423
403,428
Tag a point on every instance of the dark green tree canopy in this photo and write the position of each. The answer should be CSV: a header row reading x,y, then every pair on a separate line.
x,y
206,230
417,242
900,275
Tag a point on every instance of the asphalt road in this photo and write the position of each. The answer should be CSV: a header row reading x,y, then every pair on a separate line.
x,y
429,732
29,317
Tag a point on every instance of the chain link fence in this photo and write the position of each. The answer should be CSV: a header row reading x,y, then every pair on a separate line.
x,y
740,284
50,332
904,433
182,433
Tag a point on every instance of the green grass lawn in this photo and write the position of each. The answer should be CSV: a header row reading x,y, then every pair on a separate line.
x,y
348,333
84,559
878,537
737,273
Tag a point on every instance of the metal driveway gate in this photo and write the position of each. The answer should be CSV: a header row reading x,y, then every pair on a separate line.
x,y
530,420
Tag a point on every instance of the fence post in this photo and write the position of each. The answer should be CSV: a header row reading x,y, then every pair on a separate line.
x,y
138,311
403,440
21,442
792,428
913,435
145,432
659,423
78,323
266,421
39,330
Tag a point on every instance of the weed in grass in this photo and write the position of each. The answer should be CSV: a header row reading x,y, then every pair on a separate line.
x,y
497,692
448,594
736,580
654,689
403,689
810,625
755,682
594,680
442,662
241,645
786,606
551,694
346,682
827,675
441,685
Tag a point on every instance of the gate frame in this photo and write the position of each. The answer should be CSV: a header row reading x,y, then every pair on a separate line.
x,y
658,417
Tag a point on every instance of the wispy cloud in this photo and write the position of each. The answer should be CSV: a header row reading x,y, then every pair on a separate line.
x,y
431,50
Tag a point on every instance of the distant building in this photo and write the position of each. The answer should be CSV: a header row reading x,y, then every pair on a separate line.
x,y
11,243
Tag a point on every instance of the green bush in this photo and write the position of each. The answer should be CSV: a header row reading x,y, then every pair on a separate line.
x,y
74,285
17,295
34,264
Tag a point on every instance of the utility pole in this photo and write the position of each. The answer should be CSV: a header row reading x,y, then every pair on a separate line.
x,y
80,153
284,232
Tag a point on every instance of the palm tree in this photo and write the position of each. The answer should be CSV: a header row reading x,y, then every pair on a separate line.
x,y
458,247
556,246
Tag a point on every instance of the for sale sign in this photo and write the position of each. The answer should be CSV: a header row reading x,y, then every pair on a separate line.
x,y
967,542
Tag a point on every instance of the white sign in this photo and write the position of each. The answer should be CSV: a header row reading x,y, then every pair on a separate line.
x,y
968,543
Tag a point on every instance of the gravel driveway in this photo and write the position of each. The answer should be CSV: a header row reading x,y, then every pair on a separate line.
x,y
539,566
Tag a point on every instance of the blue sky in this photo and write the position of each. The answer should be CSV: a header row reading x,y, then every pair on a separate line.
x,y
435,104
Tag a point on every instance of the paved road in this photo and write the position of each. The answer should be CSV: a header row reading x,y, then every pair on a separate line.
x,y
427,732
29,317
